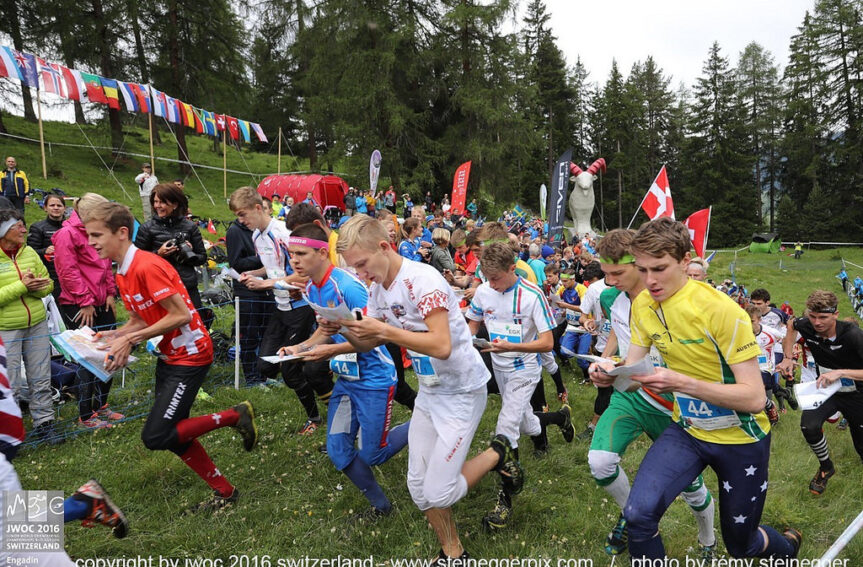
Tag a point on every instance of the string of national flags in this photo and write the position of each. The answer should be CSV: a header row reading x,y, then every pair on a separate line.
x,y
658,203
77,85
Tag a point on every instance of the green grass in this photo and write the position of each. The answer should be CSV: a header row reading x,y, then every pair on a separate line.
x,y
294,502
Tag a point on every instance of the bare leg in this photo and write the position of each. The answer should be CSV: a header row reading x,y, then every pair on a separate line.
x,y
477,467
444,526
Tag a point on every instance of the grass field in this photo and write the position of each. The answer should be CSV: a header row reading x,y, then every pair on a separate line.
x,y
295,504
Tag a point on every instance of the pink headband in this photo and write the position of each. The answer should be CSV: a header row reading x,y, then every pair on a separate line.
x,y
310,242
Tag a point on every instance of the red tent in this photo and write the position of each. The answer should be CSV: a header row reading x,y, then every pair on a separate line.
x,y
326,189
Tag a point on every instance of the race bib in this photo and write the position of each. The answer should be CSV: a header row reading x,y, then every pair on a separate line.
x,y
764,363
424,370
704,415
510,332
655,357
573,317
847,383
346,366
276,273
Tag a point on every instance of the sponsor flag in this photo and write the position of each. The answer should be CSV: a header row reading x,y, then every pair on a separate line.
x,y
557,197
698,224
127,93
172,112
259,132
211,228
8,66
245,130
112,92
93,85
657,203
459,188
543,200
374,171
233,127
51,79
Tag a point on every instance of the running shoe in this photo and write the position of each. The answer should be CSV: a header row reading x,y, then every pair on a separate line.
x,y
369,515
566,428
93,422
585,435
510,470
795,537
245,426
215,503
498,518
818,484
563,397
443,560
108,414
772,414
309,428
615,543
842,425
102,509
707,554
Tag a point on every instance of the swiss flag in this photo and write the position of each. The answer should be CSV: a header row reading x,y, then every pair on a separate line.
x,y
233,127
220,122
211,228
698,224
657,203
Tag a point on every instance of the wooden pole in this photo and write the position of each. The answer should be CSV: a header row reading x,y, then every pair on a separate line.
x,y
152,155
620,195
225,163
41,135
279,169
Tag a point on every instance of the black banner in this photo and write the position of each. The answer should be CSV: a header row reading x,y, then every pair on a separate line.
x,y
557,198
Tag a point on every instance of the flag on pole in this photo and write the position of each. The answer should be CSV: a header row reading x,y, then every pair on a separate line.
x,y
8,66
557,197
93,85
51,78
111,88
698,224
459,188
657,203
220,122
188,114
259,132
211,228
374,171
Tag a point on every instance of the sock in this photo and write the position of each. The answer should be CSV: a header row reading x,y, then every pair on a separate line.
x,y
822,452
307,397
619,488
363,478
651,548
704,519
74,509
540,442
193,427
769,404
558,381
777,545
515,453
197,459
551,417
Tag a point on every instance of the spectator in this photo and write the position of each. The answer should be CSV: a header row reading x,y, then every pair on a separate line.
x,y
87,300
255,305
350,202
361,203
697,269
276,206
174,237
429,202
41,232
286,207
390,200
16,186
370,202
440,257
409,247
24,281
536,264
408,207
445,205
473,208
310,199
181,185
146,183
379,205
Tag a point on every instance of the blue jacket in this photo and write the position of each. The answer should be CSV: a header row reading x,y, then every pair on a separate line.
x,y
15,184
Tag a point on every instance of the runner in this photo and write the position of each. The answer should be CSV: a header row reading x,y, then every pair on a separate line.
x,y
767,340
421,313
837,348
629,414
594,321
707,343
158,304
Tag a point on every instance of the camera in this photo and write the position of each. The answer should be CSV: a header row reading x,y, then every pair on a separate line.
x,y
184,251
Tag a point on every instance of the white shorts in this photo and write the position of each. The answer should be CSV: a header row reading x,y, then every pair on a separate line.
x,y
441,431
516,416
9,481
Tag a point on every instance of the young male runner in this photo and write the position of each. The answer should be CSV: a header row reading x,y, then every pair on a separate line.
x,y
593,319
293,320
837,347
410,304
767,339
362,400
706,341
158,304
520,325
629,414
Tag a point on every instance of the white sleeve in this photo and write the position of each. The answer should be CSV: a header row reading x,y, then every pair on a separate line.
x,y
372,305
430,291
541,315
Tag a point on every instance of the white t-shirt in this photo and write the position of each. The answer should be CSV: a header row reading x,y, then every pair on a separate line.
x,y
272,248
590,305
146,182
417,290
768,339
518,315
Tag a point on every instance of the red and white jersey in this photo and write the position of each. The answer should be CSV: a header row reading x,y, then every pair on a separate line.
x,y
144,280
11,425
768,339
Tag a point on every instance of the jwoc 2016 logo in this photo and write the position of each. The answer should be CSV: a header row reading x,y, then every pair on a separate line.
x,y
32,520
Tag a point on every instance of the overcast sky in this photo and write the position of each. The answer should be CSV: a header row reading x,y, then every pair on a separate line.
x,y
677,33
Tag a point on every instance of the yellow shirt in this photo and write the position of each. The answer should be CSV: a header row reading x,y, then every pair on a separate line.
x,y
528,274
333,240
701,332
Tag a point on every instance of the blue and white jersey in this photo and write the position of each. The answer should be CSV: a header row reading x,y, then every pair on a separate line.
x,y
271,246
410,250
373,369
775,319
517,315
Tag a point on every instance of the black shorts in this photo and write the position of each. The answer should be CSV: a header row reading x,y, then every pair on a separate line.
x,y
175,392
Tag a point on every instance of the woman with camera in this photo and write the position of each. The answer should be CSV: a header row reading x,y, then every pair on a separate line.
x,y
174,237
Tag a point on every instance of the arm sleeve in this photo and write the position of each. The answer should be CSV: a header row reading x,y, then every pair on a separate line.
x,y
12,291
68,270
144,238
732,329
239,257
475,309
541,315
158,284
37,241
355,294
26,184
431,294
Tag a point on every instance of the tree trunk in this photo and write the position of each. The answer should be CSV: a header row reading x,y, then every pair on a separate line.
x,y
174,56
108,71
67,47
303,68
2,126
141,59
14,30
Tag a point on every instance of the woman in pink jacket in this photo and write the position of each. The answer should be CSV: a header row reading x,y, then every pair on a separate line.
x,y
87,299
